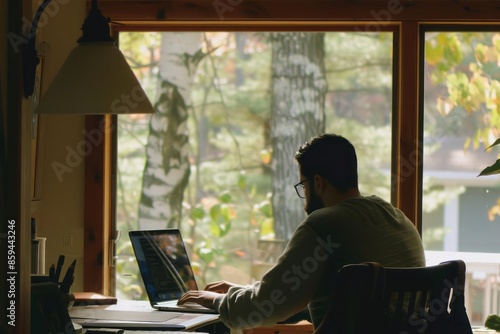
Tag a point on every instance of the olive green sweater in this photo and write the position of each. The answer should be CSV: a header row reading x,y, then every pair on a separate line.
x,y
354,231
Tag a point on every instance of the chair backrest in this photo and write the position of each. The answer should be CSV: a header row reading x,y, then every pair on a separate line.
x,y
370,298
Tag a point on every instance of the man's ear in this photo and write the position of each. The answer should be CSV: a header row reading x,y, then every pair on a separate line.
x,y
319,184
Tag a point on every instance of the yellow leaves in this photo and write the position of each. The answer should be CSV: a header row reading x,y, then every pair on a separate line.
x,y
473,89
443,48
267,227
494,211
265,156
480,52
467,143
452,48
488,54
464,93
494,98
470,93
496,45
433,52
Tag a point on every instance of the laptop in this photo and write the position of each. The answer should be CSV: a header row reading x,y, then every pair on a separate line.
x,y
165,269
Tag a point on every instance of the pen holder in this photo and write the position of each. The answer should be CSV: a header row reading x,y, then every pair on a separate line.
x,y
69,299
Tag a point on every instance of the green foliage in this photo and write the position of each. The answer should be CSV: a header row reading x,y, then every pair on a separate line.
x,y
444,51
220,225
197,213
493,322
473,87
467,64
214,222
470,72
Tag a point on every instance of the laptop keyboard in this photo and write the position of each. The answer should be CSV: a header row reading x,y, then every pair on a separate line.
x,y
173,303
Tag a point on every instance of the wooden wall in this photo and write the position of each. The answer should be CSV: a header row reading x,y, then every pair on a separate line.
x,y
15,153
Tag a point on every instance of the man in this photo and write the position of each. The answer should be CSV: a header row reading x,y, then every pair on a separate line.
x,y
342,227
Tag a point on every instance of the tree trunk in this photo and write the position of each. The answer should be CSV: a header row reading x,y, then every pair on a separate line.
x,y
298,89
167,168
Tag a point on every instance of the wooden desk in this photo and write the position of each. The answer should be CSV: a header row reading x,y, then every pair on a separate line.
x,y
302,327
149,332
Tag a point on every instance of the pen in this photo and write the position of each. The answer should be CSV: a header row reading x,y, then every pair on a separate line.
x,y
60,263
51,273
68,278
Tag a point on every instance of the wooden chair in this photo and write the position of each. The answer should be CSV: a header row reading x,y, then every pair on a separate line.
x,y
370,298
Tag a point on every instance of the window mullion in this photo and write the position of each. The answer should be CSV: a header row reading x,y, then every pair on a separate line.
x,y
407,153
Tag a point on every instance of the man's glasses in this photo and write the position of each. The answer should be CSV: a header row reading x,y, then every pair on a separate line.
x,y
299,188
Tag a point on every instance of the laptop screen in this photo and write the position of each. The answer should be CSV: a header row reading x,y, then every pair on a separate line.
x,y
164,264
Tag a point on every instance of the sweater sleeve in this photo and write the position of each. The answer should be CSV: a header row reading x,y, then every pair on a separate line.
x,y
284,290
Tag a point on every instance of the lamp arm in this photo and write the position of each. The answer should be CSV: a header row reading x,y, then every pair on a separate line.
x,y
30,57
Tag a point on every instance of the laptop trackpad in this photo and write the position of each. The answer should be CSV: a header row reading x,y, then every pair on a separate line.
x,y
185,305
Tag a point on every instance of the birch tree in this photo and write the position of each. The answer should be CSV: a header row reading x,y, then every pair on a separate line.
x,y
167,167
298,95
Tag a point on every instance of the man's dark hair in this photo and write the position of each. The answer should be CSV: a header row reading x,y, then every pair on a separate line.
x,y
332,157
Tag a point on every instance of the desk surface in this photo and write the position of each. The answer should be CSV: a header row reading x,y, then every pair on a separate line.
x,y
301,327
151,332
130,314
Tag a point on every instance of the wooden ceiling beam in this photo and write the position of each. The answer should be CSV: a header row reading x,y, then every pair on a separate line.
x,y
296,10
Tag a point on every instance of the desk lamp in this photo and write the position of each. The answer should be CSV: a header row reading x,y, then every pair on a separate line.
x,y
94,79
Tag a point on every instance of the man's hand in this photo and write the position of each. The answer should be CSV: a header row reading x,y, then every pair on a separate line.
x,y
204,298
220,286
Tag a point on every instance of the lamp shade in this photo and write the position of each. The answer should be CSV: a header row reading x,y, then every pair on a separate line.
x,y
95,79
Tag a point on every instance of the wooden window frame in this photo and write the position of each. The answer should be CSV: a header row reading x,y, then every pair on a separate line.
x,y
407,19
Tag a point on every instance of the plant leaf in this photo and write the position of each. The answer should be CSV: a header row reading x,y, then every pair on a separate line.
x,y
494,144
242,180
491,170
266,209
225,197
197,213
214,212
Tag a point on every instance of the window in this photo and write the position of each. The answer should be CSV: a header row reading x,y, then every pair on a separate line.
x,y
460,210
425,202
236,129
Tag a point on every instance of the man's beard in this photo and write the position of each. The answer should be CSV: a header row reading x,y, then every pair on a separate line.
x,y
314,203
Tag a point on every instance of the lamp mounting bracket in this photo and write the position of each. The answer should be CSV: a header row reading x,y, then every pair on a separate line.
x,y
30,56
95,29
